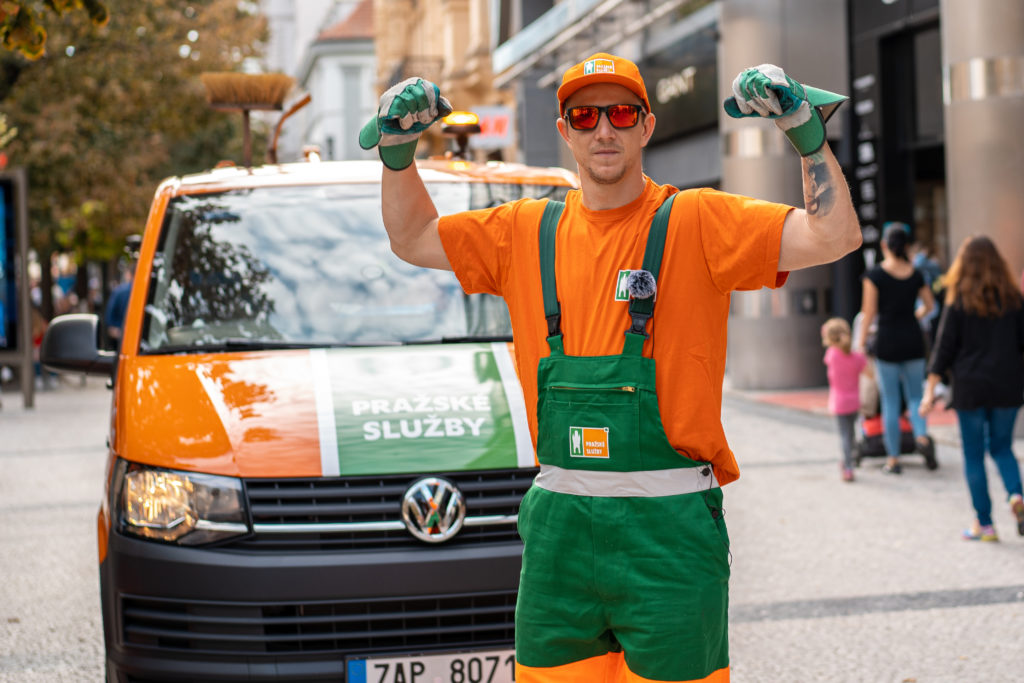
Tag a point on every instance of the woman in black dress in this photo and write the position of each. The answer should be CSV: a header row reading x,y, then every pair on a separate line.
x,y
891,291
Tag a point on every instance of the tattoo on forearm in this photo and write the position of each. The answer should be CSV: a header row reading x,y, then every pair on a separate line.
x,y
819,193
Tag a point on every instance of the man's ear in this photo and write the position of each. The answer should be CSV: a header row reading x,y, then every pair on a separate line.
x,y
562,129
649,121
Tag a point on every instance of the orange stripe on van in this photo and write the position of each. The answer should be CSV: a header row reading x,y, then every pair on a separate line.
x,y
235,414
607,668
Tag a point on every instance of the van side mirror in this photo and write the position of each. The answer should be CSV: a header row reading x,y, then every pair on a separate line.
x,y
71,344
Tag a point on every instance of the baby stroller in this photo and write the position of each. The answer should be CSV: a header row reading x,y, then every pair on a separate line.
x,y
869,442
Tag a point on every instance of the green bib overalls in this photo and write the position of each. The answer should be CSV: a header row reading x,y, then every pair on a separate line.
x,y
625,545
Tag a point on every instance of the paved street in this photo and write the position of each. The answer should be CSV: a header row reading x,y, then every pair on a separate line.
x,y
51,480
831,581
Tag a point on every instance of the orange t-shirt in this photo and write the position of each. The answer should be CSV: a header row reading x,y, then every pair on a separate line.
x,y
716,243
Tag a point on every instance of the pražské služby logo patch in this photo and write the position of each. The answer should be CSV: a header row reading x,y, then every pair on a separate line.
x,y
588,442
621,286
599,66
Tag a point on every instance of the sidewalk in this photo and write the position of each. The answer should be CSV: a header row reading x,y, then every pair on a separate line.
x,y
942,424
830,581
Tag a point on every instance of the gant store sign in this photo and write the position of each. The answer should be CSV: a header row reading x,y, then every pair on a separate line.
x,y
676,85
682,81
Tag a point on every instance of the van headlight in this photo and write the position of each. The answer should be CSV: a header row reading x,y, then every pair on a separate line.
x,y
186,508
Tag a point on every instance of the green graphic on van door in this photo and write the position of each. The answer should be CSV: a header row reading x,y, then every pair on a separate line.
x,y
420,408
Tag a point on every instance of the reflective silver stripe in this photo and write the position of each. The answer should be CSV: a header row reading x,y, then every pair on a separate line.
x,y
357,527
645,484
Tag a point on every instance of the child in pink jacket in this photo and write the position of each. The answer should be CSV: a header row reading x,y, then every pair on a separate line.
x,y
844,368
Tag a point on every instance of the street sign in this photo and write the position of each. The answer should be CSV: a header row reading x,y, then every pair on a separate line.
x,y
496,129
15,304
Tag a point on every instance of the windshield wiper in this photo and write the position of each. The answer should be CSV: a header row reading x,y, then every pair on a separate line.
x,y
483,339
243,344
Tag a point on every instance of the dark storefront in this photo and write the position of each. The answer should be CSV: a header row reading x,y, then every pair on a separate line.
x,y
898,169
680,70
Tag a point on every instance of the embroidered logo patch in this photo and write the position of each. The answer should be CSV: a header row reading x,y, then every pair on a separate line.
x,y
599,66
621,287
588,442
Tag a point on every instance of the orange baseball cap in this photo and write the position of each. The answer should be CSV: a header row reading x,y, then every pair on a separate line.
x,y
602,68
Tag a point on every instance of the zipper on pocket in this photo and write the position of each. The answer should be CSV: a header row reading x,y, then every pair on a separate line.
x,y
565,388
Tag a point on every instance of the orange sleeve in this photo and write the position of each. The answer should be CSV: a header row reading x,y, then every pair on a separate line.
x,y
477,245
741,237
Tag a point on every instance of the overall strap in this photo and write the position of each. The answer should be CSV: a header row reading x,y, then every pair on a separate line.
x,y
552,309
641,310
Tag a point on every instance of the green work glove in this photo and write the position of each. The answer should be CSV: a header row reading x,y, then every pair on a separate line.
x,y
799,111
406,110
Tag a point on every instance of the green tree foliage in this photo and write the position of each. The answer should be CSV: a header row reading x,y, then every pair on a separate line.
x,y
6,132
21,22
109,111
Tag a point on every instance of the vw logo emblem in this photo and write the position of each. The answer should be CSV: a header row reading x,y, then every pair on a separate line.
x,y
433,509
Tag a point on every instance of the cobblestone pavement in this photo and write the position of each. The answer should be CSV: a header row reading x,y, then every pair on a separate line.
x,y
830,581
868,581
51,480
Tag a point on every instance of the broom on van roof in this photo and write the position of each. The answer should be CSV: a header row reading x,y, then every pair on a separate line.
x,y
230,91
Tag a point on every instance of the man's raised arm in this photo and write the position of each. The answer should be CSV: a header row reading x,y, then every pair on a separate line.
x,y
410,217
826,229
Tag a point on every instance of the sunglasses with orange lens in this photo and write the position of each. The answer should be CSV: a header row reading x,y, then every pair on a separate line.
x,y
619,115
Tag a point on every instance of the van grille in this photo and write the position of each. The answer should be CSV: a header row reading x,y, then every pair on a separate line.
x,y
342,628
300,503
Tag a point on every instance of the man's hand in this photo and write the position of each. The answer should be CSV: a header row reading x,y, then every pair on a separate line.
x,y
406,110
800,111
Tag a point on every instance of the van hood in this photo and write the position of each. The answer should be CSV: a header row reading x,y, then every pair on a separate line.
x,y
325,412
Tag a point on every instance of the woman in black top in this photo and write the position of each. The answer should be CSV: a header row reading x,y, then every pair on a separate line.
x,y
891,291
981,342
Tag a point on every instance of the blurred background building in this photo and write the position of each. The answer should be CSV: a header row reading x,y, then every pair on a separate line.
x,y
328,47
931,136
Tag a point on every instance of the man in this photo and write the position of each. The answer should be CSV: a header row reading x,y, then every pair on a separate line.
x,y
117,306
625,563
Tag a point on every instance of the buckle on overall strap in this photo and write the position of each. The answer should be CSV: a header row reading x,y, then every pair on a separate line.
x,y
554,324
639,325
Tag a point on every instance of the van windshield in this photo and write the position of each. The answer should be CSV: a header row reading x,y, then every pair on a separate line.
x,y
309,266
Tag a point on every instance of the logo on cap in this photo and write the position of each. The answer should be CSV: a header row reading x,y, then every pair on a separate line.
x,y
588,442
598,66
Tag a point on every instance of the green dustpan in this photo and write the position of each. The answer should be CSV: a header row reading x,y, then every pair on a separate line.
x,y
824,101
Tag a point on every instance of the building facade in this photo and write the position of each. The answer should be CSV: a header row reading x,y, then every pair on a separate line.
x,y
448,43
338,70
927,138
327,46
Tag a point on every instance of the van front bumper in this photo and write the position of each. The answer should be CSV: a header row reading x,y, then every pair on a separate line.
x,y
175,613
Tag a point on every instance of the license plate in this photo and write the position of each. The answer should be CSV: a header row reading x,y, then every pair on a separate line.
x,y
493,666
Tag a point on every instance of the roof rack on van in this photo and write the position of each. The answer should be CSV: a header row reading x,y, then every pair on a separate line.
x,y
230,91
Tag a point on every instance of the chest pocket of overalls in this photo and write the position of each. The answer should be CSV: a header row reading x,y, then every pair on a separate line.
x,y
601,412
582,424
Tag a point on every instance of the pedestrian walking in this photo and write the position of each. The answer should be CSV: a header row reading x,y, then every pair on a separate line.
x,y
626,560
981,343
890,292
844,370
116,308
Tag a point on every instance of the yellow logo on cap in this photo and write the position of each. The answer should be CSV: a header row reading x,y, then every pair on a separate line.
x,y
588,442
599,66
